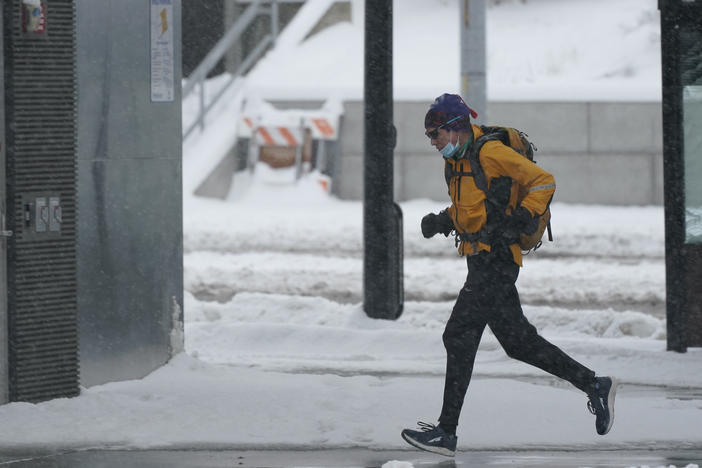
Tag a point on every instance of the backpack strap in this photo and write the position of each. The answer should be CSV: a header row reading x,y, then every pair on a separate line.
x,y
450,172
496,196
474,157
502,133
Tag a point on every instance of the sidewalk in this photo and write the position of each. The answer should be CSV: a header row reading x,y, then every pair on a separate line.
x,y
351,458
192,404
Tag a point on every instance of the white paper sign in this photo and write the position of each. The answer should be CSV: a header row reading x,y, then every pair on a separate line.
x,y
162,57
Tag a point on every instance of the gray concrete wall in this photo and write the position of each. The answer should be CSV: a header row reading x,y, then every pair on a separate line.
x,y
609,153
130,270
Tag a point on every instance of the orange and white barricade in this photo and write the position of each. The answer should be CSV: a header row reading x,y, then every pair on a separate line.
x,y
286,138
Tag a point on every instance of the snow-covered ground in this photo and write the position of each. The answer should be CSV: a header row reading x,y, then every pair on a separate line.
x,y
279,353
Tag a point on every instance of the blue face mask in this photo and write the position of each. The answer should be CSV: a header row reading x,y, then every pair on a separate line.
x,y
451,150
448,150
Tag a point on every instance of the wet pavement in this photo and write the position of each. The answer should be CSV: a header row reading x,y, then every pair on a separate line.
x,y
218,457
347,458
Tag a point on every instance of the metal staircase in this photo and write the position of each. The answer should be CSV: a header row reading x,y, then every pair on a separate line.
x,y
198,77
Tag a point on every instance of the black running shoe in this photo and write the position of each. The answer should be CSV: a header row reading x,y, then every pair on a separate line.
x,y
432,439
601,403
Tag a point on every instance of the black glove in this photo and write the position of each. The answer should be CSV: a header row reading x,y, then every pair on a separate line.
x,y
523,222
432,224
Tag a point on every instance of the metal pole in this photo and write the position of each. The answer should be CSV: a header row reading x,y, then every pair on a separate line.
x,y
382,220
473,64
298,151
201,104
321,156
672,181
274,20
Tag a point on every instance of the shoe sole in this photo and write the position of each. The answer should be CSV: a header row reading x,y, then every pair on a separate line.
x,y
428,448
610,404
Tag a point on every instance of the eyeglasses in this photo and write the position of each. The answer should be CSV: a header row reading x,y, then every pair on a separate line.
x,y
433,134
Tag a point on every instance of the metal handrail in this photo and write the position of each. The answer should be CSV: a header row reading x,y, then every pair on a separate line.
x,y
243,68
199,75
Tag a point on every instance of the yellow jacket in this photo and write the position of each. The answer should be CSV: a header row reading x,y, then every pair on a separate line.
x,y
533,190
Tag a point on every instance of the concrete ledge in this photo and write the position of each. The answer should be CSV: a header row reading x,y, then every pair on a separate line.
x,y
618,179
580,177
553,127
608,153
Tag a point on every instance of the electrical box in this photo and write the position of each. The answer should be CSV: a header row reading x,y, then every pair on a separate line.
x,y
42,216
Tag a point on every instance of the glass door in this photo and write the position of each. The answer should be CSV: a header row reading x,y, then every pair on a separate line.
x,y
691,82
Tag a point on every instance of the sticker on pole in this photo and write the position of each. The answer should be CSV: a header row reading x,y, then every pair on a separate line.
x,y
162,55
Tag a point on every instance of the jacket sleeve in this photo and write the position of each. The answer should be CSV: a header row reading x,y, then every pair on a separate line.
x,y
451,211
500,160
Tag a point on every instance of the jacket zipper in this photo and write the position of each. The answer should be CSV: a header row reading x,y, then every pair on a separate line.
x,y
457,196
460,174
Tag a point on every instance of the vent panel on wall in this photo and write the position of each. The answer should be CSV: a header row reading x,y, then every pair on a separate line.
x,y
41,186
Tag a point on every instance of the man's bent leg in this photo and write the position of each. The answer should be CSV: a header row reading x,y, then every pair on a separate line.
x,y
521,341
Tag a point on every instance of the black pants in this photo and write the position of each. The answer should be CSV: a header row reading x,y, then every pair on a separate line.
x,y
489,297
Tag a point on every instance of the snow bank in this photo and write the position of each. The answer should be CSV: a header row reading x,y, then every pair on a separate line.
x,y
577,50
544,50
582,231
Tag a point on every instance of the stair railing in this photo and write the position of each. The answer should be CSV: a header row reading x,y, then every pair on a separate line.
x,y
199,75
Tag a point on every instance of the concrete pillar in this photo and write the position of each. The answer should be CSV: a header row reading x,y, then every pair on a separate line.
x,y
473,64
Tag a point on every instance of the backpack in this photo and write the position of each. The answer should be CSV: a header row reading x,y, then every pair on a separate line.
x,y
498,194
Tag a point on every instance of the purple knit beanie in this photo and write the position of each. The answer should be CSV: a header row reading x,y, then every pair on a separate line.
x,y
446,107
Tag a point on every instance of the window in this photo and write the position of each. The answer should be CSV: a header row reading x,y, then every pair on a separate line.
x,y
691,80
